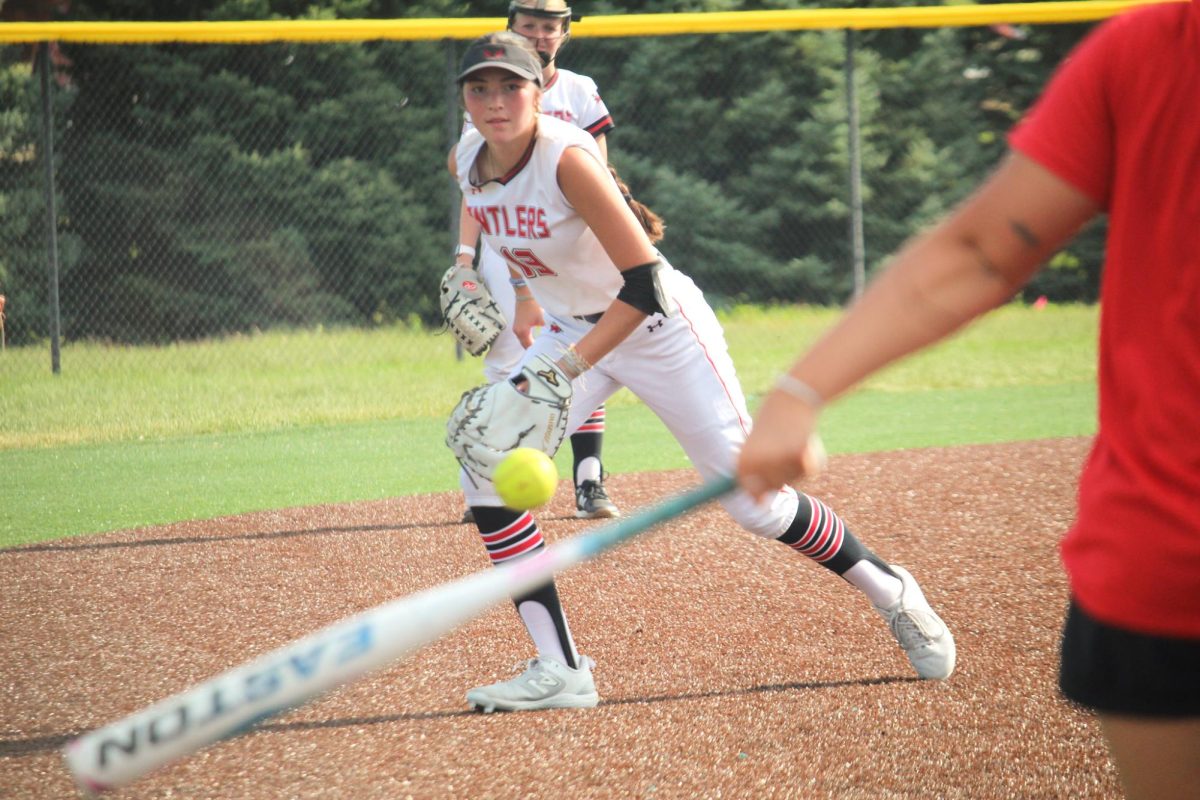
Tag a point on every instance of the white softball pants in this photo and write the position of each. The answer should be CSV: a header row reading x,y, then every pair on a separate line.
x,y
681,369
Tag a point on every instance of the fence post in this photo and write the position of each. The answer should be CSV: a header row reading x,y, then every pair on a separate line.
x,y
857,244
44,67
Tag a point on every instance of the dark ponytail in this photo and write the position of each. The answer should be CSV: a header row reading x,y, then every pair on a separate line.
x,y
652,223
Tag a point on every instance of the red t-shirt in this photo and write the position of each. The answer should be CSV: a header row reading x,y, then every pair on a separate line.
x,y
1121,121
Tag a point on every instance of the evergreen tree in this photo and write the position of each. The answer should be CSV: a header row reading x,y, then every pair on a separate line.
x,y
208,189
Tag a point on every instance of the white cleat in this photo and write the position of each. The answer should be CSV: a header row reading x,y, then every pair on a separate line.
x,y
545,683
919,630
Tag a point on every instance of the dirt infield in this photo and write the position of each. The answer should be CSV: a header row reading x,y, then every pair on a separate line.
x,y
729,667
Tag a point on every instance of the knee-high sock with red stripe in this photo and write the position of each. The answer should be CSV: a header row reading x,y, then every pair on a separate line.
x,y
819,533
586,443
508,535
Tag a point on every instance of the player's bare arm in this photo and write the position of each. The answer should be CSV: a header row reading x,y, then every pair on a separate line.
x,y
589,188
528,317
975,260
468,233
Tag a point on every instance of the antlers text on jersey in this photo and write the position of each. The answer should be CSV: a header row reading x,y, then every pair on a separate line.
x,y
519,222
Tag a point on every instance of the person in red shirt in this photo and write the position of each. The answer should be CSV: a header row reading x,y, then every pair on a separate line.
x,y
1116,131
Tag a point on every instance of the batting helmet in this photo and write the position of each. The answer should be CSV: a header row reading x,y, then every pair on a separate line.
x,y
551,9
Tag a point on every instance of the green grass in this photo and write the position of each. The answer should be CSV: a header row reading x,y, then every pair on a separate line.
x,y
140,436
247,383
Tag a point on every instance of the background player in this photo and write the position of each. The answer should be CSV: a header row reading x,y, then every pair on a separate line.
x,y
574,98
1116,130
616,315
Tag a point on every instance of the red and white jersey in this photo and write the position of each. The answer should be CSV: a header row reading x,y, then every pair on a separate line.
x,y
572,98
526,219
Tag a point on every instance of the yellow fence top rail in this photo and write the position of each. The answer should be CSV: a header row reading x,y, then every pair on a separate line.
x,y
353,30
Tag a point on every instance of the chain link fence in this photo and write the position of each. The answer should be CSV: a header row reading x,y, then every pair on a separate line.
x,y
204,191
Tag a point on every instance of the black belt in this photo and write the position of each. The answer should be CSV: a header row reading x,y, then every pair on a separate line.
x,y
592,318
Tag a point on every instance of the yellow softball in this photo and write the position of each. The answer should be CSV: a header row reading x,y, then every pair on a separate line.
x,y
525,479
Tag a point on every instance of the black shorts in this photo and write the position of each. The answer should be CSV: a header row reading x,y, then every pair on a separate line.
x,y
1117,671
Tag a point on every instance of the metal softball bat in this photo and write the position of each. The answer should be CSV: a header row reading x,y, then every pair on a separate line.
x,y
234,701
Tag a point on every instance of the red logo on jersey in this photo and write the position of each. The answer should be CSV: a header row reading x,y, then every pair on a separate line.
x,y
554,328
526,262
470,286
517,222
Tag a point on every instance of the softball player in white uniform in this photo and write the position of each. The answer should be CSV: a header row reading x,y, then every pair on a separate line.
x,y
573,98
530,180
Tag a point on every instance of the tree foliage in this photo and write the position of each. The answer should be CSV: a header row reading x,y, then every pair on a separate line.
x,y
209,189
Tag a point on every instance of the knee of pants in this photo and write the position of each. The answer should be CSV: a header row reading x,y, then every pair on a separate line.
x,y
768,520
477,491
503,357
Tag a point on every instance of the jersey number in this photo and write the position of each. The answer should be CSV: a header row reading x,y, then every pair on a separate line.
x,y
524,260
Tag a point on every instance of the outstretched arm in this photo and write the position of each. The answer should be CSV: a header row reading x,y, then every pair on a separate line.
x,y
974,260
588,186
